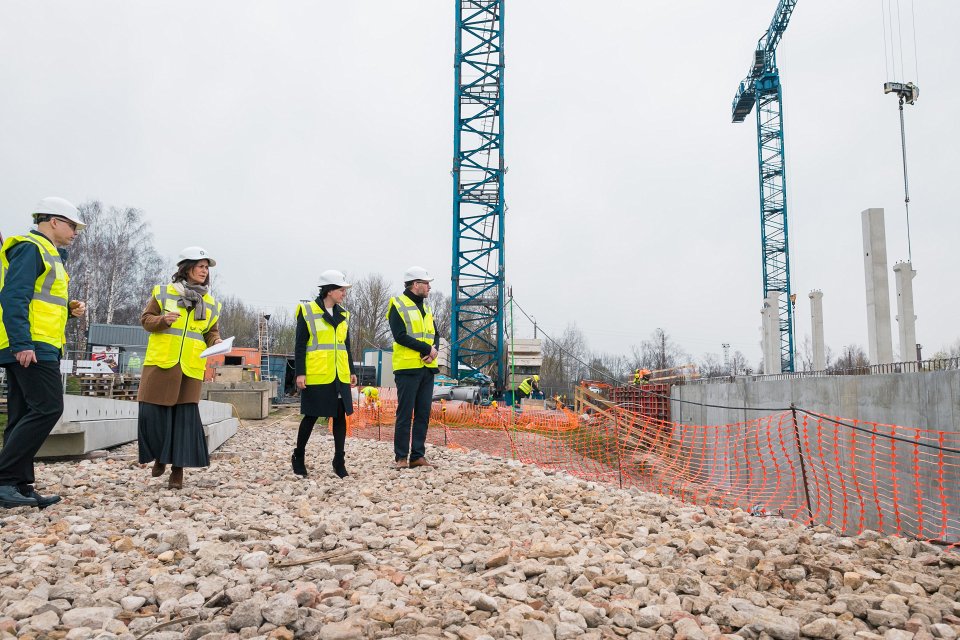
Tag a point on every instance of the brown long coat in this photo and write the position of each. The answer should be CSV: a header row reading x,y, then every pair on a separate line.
x,y
168,387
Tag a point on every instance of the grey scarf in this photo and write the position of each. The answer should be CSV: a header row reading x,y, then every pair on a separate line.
x,y
191,297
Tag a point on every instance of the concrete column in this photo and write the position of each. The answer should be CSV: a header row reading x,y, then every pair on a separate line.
x,y
816,322
905,319
764,338
771,362
879,338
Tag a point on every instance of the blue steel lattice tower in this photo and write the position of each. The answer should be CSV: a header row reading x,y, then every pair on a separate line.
x,y
478,207
761,87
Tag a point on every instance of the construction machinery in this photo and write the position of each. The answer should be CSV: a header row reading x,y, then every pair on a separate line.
x,y
761,89
477,327
907,93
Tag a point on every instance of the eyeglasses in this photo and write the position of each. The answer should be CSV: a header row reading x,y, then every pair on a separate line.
x,y
421,282
70,223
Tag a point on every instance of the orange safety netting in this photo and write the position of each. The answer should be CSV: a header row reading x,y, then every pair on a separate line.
x,y
845,474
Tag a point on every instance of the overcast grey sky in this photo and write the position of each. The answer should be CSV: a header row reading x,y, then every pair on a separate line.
x,y
292,137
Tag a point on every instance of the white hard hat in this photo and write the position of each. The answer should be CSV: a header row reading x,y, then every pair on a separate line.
x,y
60,208
334,277
416,273
196,253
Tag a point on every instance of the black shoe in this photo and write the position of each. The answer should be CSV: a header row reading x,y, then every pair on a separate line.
x,y
43,501
340,469
299,466
10,498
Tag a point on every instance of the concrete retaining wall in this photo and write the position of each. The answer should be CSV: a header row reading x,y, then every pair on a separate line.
x,y
922,401
98,423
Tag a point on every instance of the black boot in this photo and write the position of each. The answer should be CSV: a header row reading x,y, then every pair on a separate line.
x,y
339,467
299,466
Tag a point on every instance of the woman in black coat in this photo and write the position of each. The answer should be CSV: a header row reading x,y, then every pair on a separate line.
x,y
324,368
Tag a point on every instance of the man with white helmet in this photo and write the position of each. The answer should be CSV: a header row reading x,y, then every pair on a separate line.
x,y
34,307
415,343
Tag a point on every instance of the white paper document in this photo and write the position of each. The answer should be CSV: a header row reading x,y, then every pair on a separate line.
x,y
224,347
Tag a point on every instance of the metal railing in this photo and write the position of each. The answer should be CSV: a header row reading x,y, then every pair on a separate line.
x,y
913,366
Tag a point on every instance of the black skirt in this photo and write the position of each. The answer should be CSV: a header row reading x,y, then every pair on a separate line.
x,y
321,400
172,435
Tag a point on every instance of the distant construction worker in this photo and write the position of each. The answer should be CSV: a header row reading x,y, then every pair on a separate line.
x,y
415,354
641,376
528,386
134,363
371,396
33,315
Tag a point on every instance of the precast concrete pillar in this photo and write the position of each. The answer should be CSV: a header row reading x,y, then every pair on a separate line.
x,y
816,322
772,332
879,338
906,320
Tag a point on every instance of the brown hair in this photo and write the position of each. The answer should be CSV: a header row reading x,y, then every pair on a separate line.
x,y
183,272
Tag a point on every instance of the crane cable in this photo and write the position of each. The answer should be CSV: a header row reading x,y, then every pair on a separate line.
x,y
893,41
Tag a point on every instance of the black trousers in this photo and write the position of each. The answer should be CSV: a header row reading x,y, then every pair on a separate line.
x,y
414,399
34,404
339,432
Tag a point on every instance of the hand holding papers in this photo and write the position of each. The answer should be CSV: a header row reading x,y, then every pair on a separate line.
x,y
224,347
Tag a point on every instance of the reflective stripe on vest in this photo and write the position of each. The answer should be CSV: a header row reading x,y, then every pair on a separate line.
x,y
327,355
48,306
183,341
419,326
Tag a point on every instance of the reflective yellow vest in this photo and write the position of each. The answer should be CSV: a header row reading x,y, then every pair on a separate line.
x,y
183,341
419,326
327,355
48,307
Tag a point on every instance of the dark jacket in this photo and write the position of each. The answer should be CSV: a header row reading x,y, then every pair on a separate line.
x,y
26,265
321,399
400,336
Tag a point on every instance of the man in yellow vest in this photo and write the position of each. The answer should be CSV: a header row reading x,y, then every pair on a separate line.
x,y
33,315
371,396
528,386
134,363
415,343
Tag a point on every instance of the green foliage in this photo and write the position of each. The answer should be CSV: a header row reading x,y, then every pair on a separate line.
x,y
73,386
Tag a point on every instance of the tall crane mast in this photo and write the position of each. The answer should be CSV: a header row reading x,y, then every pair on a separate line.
x,y
762,88
477,328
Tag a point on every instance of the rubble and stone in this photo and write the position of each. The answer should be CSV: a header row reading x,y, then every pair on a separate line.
x,y
477,548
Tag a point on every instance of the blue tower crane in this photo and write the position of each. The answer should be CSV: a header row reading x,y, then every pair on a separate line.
x,y
477,329
762,88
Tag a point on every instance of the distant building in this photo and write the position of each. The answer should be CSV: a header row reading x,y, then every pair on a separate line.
x,y
115,344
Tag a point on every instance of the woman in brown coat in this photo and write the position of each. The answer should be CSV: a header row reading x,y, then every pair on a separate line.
x,y
182,319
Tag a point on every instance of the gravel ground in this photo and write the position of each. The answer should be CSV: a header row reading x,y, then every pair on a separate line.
x,y
477,548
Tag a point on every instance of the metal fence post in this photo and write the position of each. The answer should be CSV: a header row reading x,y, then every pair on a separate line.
x,y
800,455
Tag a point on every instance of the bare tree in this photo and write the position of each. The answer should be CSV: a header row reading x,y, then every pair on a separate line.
x,y
113,265
367,303
283,332
739,365
659,352
442,306
851,357
239,320
711,366
563,360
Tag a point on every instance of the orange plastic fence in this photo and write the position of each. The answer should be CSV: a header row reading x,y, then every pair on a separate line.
x,y
814,469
